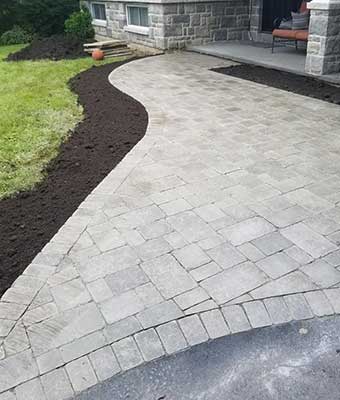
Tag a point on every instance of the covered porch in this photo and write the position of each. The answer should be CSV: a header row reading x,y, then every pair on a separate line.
x,y
256,53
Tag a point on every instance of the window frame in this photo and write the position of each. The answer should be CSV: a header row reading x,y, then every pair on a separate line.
x,y
96,21
140,29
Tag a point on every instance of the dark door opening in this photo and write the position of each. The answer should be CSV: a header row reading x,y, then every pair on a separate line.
x,y
273,9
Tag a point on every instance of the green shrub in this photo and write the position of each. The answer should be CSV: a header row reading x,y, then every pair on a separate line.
x,y
79,25
46,17
16,35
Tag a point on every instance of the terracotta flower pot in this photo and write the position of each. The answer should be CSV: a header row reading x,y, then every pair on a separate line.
x,y
97,55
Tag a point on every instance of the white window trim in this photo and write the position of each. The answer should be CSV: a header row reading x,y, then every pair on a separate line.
x,y
98,22
141,30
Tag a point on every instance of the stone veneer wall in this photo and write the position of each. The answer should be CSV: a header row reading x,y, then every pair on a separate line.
x,y
175,25
323,52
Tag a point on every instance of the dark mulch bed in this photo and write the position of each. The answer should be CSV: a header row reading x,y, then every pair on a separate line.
x,y
113,124
299,84
57,47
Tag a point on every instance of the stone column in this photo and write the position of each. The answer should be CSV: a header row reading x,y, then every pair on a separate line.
x,y
323,51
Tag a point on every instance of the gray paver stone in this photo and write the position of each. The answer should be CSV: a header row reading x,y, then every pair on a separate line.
x,y
278,310
272,243
234,282
168,276
104,363
298,306
333,296
126,279
257,314
319,303
122,329
193,330
149,344
172,337
82,346
49,361
191,298
191,256
308,240
226,255
31,390
204,272
159,313
236,318
81,374
247,230
277,265
127,353
322,273
57,385
214,324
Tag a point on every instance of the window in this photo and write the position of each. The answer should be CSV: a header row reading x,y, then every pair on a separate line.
x,y
98,11
137,16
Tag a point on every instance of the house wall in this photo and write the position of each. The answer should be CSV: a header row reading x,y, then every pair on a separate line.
x,y
177,24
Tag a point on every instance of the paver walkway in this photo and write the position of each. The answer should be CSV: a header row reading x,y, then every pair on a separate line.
x,y
223,218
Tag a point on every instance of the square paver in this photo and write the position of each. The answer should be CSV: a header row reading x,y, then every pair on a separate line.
x,y
321,273
191,298
191,256
257,314
104,363
234,282
81,374
153,248
236,318
278,310
272,243
169,277
70,294
319,303
193,330
226,255
127,353
214,324
298,306
159,313
31,390
120,307
247,230
209,212
125,280
57,385
309,241
149,344
277,265
172,337
204,272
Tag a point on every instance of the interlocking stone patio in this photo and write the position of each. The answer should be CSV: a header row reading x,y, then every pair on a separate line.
x,y
223,218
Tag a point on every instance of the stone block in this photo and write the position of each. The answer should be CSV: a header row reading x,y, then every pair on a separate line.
x,y
57,385
127,353
81,374
104,363
214,324
236,318
172,337
193,330
149,344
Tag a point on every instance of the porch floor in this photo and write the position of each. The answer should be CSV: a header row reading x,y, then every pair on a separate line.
x,y
283,58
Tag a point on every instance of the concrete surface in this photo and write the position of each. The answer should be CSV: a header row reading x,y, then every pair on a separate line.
x,y
283,58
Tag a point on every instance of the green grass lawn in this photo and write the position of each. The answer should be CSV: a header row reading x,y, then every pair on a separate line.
x,y
37,112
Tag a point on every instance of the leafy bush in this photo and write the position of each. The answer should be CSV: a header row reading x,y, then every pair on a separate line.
x,y
47,17
9,11
79,25
16,35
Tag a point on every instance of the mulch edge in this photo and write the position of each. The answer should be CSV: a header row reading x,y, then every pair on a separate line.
x,y
137,122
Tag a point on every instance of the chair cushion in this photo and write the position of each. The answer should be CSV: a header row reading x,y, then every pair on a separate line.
x,y
286,24
302,35
300,20
284,33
